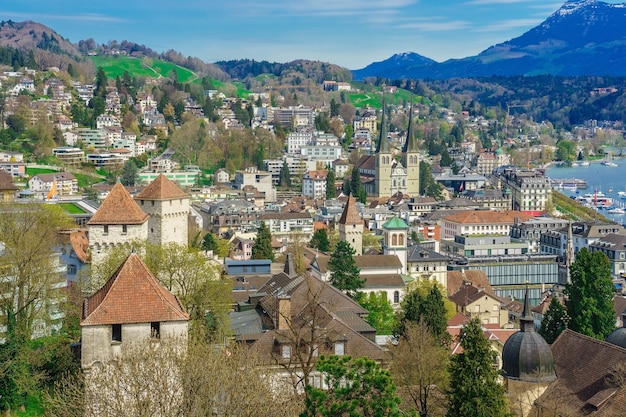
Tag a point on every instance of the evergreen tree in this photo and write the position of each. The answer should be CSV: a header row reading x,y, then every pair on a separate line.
x,y
129,174
262,248
355,181
331,191
553,324
320,240
285,178
429,308
590,295
101,84
334,108
345,275
356,387
474,387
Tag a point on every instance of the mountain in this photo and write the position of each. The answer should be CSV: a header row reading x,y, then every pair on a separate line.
x,y
401,63
583,37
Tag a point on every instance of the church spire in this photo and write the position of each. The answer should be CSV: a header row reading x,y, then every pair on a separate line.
x,y
527,321
410,144
383,143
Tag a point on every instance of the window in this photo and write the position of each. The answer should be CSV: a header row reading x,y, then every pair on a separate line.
x,y
106,229
155,330
124,229
286,351
396,297
71,269
116,332
340,348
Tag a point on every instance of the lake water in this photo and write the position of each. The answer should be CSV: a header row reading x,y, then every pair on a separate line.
x,y
609,180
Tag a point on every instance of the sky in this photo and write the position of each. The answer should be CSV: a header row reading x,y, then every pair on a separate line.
x,y
350,33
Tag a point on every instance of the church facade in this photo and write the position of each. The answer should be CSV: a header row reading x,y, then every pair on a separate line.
x,y
382,174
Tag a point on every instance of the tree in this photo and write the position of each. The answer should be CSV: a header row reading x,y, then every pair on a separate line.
x,y
129,175
30,290
150,379
589,299
331,191
345,275
380,312
419,369
474,387
285,177
430,308
262,248
215,243
320,240
553,322
356,387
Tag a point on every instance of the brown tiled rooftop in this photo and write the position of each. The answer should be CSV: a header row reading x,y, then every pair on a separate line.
x,y
118,207
162,188
488,217
350,214
132,295
6,181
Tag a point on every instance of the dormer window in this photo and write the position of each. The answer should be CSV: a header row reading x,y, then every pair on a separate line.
x,y
340,348
285,351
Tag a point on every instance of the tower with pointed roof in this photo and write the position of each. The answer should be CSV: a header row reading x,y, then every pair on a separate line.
x,y
118,221
527,362
168,208
410,158
395,239
132,306
351,226
384,158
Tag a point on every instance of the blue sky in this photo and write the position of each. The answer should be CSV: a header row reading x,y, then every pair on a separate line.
x,y
351,33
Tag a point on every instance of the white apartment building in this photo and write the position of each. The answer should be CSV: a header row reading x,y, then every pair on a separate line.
x,y
314,184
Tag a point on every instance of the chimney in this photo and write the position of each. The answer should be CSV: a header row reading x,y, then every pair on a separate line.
x,y
283,311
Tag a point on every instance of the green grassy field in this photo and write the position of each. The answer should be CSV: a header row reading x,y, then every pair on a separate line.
x,y
31,172
114,66
72,208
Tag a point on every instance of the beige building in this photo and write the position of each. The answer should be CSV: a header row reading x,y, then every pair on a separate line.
x,y
131,307
168,208
119,220
479,303
480,222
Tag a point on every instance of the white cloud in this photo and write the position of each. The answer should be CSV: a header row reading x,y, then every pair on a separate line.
x,y
509,24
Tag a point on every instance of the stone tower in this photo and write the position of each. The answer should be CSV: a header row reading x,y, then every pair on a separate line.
x,y
351,226
384,159
395,240
118,221
411,159
168,208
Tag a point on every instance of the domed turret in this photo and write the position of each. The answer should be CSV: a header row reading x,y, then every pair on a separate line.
x,y
618,336
526,356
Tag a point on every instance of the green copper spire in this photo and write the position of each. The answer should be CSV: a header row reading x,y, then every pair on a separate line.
x,y
383,143
410,144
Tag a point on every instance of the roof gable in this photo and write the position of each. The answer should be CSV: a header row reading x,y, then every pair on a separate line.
x,y
162,188
350,214
132,295
118,207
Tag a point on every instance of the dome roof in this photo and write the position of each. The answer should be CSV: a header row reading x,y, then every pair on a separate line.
x,y
617,337
526,355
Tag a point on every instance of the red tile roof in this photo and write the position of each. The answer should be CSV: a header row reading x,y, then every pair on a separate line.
x,y
350,213
118,207
132,295
488,217
162,188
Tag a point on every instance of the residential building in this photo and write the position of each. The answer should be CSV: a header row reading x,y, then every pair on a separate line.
x,y
489,198
294,315
69,155
103,160
58,183
426,264
295,116
8,190
488,160
479,303
614,247
92,138
298,166
530,231
261,180
314,184
298,139
480,222
288,227
131,307
531,192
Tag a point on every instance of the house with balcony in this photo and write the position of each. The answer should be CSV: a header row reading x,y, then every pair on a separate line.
x,y
288,227
59,183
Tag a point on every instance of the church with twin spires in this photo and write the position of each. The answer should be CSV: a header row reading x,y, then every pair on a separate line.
x,y
382,174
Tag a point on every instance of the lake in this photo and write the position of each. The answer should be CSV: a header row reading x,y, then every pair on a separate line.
x,y
609,180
